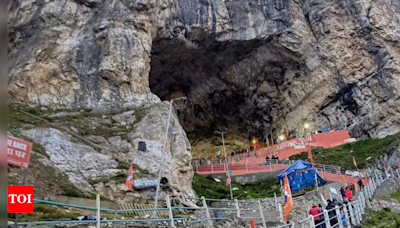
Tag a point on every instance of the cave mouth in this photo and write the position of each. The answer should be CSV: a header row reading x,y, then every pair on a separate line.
x,y
234,85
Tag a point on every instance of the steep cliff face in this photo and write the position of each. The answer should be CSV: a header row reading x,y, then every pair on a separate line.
x,y
247,65
94,151
273,63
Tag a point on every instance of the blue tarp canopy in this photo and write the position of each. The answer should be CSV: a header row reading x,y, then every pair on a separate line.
x,y
301,174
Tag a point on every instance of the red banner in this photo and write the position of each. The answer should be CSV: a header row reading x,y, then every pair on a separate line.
x,y
18,152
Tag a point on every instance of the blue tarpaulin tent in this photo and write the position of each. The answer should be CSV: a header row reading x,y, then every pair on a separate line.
x,y
301,174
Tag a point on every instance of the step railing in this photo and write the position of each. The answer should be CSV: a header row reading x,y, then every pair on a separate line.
x,y
352,212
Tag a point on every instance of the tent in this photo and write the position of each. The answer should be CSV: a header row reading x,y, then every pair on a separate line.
x,y
301,174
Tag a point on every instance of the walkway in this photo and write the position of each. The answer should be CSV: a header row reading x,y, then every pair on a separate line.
x,y
240,168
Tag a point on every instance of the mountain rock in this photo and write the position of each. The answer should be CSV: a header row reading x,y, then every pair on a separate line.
x,y
247,65
81,163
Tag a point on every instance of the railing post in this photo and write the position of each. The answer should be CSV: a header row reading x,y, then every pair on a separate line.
x,y
280,213
346,215
197,167
212,167
207,211
224,167
339,217
247,170
171,217
327,219
323,166
262,214
311,221
355,212
352,216
98,210
237,208
270,165
276,201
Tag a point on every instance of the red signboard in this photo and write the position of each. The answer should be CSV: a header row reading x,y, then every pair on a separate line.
x,y
18,152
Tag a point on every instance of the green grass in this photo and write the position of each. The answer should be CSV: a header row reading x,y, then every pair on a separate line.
x,y
382,219
364,151
43,212
207,187
396,195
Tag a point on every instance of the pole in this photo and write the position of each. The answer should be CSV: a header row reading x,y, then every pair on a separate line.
x,y
262,214
163,155
272,140
170,215
226,161
23,183
98,211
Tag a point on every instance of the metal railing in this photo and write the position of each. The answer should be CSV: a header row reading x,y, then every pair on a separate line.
x,y
346,215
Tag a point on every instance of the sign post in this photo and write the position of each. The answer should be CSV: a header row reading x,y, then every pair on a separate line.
x,y
19,154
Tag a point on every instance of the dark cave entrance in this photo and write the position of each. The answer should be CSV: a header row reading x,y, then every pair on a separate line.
x,y
230,85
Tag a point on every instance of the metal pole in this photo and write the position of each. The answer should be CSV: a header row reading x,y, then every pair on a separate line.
x,y
23,183
247,169
272,140
226,161
237,208
163,155
262,214
170,215
207,211
98,210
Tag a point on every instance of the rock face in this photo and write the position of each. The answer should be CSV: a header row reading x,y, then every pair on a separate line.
x,y
248,65
81,163
99,164
283,62
390,160
177,166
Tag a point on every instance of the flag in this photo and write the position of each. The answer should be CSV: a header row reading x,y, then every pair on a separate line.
x,y
297,133
366,178
354,161
129,178
288,198
228,180
310,153
252,225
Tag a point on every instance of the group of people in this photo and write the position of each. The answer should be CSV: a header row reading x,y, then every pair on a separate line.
x,y
275,156
317,211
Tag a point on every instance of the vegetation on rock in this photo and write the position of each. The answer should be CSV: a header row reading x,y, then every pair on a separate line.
x,y
382,219
365,152
209,188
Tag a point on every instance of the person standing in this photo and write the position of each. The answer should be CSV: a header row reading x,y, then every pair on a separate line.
x,y
360,184
315,212
348,193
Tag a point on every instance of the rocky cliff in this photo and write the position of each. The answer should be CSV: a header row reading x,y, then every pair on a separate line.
x,y
250,65
82,153
244,64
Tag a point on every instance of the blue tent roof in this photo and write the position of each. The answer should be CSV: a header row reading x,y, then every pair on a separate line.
x,y
298,165
301,174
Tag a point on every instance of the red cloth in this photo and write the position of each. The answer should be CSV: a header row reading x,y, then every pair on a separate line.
x,y
315,211
348,194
